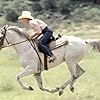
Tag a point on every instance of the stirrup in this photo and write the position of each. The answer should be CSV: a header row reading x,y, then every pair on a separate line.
x,y
52,59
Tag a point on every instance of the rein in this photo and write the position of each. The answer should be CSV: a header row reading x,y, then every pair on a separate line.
x,y
34,47
9,45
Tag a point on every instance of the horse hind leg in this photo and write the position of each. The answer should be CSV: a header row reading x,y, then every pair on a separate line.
x,y
73,71
74,75
80,73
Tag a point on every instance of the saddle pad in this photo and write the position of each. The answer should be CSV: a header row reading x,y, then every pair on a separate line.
x,y
58,43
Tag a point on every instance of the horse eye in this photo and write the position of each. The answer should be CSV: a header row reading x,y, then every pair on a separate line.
x,y
2,33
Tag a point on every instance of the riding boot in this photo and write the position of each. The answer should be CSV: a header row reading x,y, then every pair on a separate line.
x,y
52,58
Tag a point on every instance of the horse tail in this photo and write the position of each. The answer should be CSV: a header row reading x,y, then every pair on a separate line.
x,y
94,44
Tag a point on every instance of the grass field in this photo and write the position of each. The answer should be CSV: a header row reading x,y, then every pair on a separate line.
x,y
86,88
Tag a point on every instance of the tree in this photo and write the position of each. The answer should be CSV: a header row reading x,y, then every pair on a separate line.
x,y
50,5
65,7
12,16
36,7
35,0
97,1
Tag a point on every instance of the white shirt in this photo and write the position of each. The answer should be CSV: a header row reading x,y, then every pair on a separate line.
x,y
37,25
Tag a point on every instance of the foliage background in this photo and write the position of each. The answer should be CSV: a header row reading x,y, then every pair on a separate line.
x,y
57,13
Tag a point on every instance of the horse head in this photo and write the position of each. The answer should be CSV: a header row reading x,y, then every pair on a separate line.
x,y
3,34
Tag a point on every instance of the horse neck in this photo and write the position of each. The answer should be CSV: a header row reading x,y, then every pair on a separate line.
x,y
13,38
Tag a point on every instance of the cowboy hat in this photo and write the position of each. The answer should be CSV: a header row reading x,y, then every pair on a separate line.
x,y
26,14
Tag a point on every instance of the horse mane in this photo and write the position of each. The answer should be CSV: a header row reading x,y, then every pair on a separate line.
x,y
21,31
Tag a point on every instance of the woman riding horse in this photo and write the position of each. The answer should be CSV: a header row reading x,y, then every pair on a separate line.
x,y
40,27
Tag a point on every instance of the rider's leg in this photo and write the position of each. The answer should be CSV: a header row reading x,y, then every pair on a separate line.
x,y
43,44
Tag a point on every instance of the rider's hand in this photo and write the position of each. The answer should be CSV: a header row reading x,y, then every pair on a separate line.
x,y
29,38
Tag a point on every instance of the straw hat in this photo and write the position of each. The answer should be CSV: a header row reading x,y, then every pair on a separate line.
x,y
26,14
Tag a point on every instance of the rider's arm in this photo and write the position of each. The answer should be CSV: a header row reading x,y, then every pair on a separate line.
x,y
35,36
37,29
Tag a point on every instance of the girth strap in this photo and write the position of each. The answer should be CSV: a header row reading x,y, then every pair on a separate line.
x,y
45,62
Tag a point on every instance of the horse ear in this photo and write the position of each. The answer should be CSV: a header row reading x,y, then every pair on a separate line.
x,y
5,27
2,29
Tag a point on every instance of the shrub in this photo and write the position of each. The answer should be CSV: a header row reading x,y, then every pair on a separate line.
x,y
12,16
50,5
36,7
34,0
65,7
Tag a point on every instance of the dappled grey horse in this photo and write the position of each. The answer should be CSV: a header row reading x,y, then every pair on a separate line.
x,y
71,53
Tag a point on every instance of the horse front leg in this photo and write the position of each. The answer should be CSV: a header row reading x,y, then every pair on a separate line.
x,y
40,84
25,72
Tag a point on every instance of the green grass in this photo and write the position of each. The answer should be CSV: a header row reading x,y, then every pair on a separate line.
x,y
86,88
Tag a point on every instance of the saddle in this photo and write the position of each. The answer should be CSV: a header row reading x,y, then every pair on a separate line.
x,y
58,42
54,44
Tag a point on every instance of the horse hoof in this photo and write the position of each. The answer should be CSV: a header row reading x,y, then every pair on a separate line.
x,y
60,93
72,89
30,88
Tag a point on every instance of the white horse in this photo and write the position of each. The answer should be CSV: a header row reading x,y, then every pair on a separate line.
x,y
71,53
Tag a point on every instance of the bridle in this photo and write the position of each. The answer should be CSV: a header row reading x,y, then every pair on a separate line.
x,y
5,28
3,37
